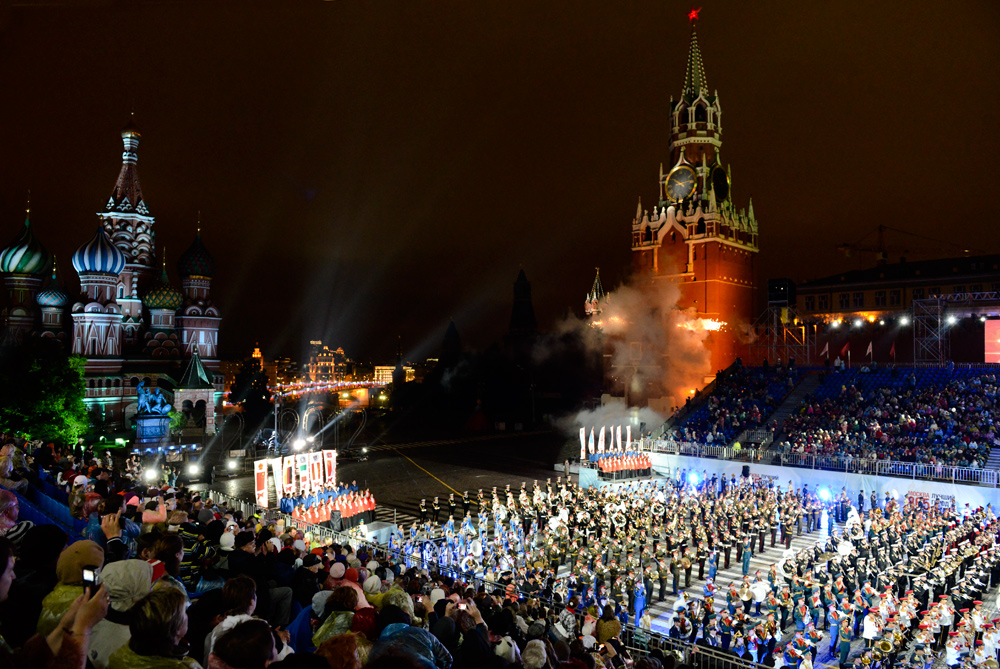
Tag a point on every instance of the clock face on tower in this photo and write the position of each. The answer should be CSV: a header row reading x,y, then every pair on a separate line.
x,y
680,183
720,183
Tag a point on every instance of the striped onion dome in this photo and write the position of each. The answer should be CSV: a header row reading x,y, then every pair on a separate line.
x,y
196,261
25,255
52,296
162,295
99,256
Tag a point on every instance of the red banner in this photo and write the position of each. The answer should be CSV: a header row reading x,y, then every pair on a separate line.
x,y
330,461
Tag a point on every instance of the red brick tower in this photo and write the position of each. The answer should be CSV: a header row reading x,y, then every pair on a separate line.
x,y
695,236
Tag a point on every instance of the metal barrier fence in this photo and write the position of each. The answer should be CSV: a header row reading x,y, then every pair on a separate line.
x,y
912,470
640,642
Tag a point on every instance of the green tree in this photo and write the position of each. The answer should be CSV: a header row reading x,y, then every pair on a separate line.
x,y
42,391
249,390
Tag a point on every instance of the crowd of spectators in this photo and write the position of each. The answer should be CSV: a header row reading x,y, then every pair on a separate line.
x,y
935,416
743,398
163,578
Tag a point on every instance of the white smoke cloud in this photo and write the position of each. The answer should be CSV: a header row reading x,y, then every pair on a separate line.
x,y
654,350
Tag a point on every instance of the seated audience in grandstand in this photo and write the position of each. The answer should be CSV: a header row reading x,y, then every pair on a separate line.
x,y
157,625
743,398
949,423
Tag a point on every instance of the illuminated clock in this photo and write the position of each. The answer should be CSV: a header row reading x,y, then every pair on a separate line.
x,y
680,183
720,183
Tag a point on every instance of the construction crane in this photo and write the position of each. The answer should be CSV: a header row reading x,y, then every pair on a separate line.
x,y
881,249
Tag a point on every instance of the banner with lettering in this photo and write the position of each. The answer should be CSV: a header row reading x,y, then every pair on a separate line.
x,y
583,443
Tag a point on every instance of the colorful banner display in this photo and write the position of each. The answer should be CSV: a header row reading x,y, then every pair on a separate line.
x,y
288,476
302,465
330,462
583,443
316,478
260,482
302,472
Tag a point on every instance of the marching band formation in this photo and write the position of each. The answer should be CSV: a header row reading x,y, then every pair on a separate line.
x,y
908,579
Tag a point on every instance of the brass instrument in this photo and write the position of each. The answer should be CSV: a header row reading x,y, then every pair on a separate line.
x,y
745,593
877,656
885,646
991,663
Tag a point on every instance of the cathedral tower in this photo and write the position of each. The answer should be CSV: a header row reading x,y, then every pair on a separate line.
x,y
199,319
23,264
129,224
695,236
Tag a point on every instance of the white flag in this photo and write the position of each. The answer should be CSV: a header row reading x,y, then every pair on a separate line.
x,y
583,443
600,441
618,437
628,437
869,351
826,350
591,440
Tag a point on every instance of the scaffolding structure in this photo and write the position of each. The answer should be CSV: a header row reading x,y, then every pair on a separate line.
x,y
931,343
779,334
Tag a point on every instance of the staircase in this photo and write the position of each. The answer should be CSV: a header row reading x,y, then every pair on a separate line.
x,y
993,461
806,387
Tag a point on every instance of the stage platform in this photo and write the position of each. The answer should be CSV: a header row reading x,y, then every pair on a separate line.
x,y
590,478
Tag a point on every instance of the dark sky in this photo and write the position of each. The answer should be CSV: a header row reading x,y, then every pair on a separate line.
x,y
370,168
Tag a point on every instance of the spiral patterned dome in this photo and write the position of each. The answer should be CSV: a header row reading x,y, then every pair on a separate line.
x,y
162,295
99,256
196,261
25,255
52,296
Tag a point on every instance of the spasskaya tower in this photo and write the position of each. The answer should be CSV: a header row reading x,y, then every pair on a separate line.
x,y
695,236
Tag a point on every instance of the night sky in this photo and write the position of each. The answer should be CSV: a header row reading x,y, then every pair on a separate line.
x,y
371,168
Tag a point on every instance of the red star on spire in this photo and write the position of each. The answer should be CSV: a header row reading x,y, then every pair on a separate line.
x,y
693,14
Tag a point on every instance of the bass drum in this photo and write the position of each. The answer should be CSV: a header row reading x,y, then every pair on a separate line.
x,y
476,548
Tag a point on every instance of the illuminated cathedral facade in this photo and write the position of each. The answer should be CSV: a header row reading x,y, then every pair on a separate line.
x,y
127,318
695,236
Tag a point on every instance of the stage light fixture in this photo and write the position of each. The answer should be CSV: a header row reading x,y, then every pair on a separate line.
x,y
299,444
150,474
194,470
231,464
824,494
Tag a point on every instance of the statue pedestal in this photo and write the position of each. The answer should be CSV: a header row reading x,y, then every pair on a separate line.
x,y
152,429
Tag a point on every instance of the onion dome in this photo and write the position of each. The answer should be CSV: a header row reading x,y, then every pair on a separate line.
x,y
162,295
99,256
25,255
196,261
53,295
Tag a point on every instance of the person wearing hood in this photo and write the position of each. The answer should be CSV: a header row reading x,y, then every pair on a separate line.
x,y
157,623
339,614
69,572
340,575
397,637
127,581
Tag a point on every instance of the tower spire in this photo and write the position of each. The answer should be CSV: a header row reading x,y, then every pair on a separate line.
x,y
695,80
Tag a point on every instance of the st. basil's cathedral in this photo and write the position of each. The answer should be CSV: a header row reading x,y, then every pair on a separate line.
x,y
127,319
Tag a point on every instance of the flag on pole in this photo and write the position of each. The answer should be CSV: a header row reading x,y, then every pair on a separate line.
x,y
869,351
583,444
826,350
628,437
591,444
892,351
618,437
600,441
847,349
